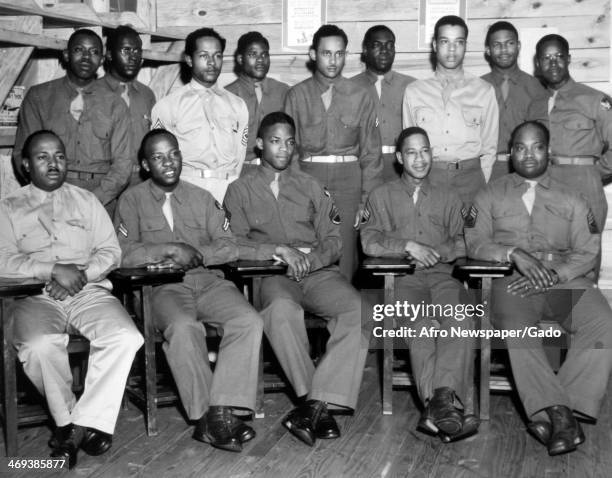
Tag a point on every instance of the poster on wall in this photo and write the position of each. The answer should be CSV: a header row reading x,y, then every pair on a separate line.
x,y
301,18
429,13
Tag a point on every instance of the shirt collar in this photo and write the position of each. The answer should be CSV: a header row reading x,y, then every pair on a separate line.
x,y
324,83
159,194
250,84
200,88
446,77
73,89
373,77
114,84
40,195
564,89
513,74
268,173
544,181
410,186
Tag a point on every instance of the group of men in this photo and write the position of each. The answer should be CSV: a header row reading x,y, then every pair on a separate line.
x,y
301,175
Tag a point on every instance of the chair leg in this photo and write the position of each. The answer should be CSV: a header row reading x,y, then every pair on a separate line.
x,y
387,372
485,351
10,380
150,364
259,401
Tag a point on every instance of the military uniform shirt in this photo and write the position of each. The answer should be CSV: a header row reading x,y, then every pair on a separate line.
x,y
68,226
97,143
435,220
198,221
560,223
211,125
273,98
523,89
304,216
347,128
464,126
580,123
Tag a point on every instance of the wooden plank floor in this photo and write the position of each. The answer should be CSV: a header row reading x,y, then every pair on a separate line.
x,y
372,445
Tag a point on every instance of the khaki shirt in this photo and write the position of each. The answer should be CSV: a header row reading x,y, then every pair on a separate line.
x,y
273,98
463,126
303,216
198,221
68,226
435,220
580,123
523,89
211,125
347,128
97,143
560,224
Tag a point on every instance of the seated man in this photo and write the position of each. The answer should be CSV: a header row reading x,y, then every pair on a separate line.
x,y
551,236
281,212
409,216
166,222
61,234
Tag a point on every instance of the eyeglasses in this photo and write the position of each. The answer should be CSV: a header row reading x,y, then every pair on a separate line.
x,y
127,51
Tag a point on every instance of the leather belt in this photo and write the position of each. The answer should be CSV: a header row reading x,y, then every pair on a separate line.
x,y
82,175
573,160
471,163
210,173
504,157
253,162
388,149
330,159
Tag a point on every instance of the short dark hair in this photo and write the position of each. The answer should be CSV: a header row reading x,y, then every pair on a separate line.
x,y
407,133
248,39
112,39
328,31
550,38
273,118
526,124
149,136
499,26
86,32
367,37
26,151
452,20
194,36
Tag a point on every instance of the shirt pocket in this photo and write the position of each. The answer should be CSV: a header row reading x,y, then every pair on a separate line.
x,y
196,233
578,122
152,229
78,232
472,116
558,226
347,133
260,217
102,129
506,220
225,132
188,126
424,116
33,238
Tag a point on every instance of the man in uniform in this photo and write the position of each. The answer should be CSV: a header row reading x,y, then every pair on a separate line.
x,y
580,122
337,136
283,213
515,90
167,222
91,122
58,233
410,216
550,235
261,94
211,123
459,112
387,90
123,62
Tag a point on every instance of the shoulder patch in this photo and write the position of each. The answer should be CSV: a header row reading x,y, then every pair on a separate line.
x,y
469,216
593,229
122,230
158,125
605,103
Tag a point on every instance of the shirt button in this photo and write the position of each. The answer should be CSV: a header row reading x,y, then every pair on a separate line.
x,y
57,257
446,131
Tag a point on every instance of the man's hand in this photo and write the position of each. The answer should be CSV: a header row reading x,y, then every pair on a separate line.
x,y
69,276
56,291
426,255
185,256
540,277
298,262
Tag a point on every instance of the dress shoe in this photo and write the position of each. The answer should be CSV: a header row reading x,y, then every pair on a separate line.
x,y
96,442
69,446
241,430
566,433
325,426
298,422
216,428
59,435
469,427
444,415
541,430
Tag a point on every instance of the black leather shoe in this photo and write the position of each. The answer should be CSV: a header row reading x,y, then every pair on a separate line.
x,y
215,428
299,423
325,426
540,430
241,430
566,433
59,435
469,427
444,415
96,442
69,446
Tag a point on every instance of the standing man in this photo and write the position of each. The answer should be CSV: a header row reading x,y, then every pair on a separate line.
x,y
59,233
410,216
459,112
210,123
337,135
550,235
90,121
123,62
261,94
387,90
166,222
283,213
580,122
515,90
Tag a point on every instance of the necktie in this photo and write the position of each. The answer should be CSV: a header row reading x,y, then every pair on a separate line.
x,y
167,210
258,92
378,85
529,196
125,94
274,185
415,195
551,101
77,105
505,87
327,97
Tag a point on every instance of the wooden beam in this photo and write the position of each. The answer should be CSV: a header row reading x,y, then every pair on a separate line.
x,y
147,11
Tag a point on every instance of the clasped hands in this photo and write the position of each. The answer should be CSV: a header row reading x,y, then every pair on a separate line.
x,y
298,264
536,278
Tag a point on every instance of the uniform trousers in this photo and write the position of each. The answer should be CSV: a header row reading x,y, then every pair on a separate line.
x,y
465,182
584,313
42,328
438,361
327,294
343,181
391,168
177,312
